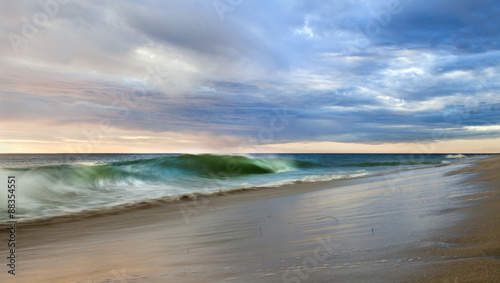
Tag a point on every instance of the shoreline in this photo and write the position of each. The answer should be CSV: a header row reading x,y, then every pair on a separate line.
x,y
295,187
470,250
265,235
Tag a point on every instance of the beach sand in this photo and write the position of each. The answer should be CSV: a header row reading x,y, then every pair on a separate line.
x,y
438,224
473,252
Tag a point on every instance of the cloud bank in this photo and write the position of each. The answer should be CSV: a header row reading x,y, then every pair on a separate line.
x,y
213,75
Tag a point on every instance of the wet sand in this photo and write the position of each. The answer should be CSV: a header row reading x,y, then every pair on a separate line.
x,y
438,224
470,250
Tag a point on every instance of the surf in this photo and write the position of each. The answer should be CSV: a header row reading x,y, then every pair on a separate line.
x,y
52,185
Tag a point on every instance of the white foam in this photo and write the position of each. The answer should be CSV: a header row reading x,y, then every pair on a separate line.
x,y
86,163
455,156
314,178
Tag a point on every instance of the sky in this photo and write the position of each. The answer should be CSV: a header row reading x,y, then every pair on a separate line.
x,y
236,76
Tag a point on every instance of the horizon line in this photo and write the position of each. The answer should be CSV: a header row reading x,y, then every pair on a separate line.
x,y
230,153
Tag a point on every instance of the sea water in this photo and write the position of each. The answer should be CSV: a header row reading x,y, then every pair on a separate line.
x,y
59,184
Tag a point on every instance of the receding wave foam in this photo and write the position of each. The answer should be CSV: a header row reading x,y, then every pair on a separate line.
x,y
393,163
71,212
314,179
455,156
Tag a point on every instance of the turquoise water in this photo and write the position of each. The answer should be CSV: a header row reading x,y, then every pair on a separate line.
x,y
59,184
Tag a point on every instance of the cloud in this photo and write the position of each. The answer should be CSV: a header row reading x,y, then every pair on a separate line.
x,y
345,71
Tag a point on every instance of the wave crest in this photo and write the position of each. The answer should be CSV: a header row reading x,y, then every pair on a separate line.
x,y
225,165
455,156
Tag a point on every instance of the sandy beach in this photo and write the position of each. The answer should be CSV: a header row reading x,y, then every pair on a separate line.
x,y
435,224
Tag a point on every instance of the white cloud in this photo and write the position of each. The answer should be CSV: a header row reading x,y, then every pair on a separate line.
x,y
488,128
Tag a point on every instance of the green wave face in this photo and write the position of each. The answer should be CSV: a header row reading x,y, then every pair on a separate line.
x,y
222,165
161,170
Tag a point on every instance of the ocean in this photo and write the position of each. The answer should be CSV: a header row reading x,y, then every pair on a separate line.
x,y
50,185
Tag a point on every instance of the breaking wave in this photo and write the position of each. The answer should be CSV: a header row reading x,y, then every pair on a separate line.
x,y
455,156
